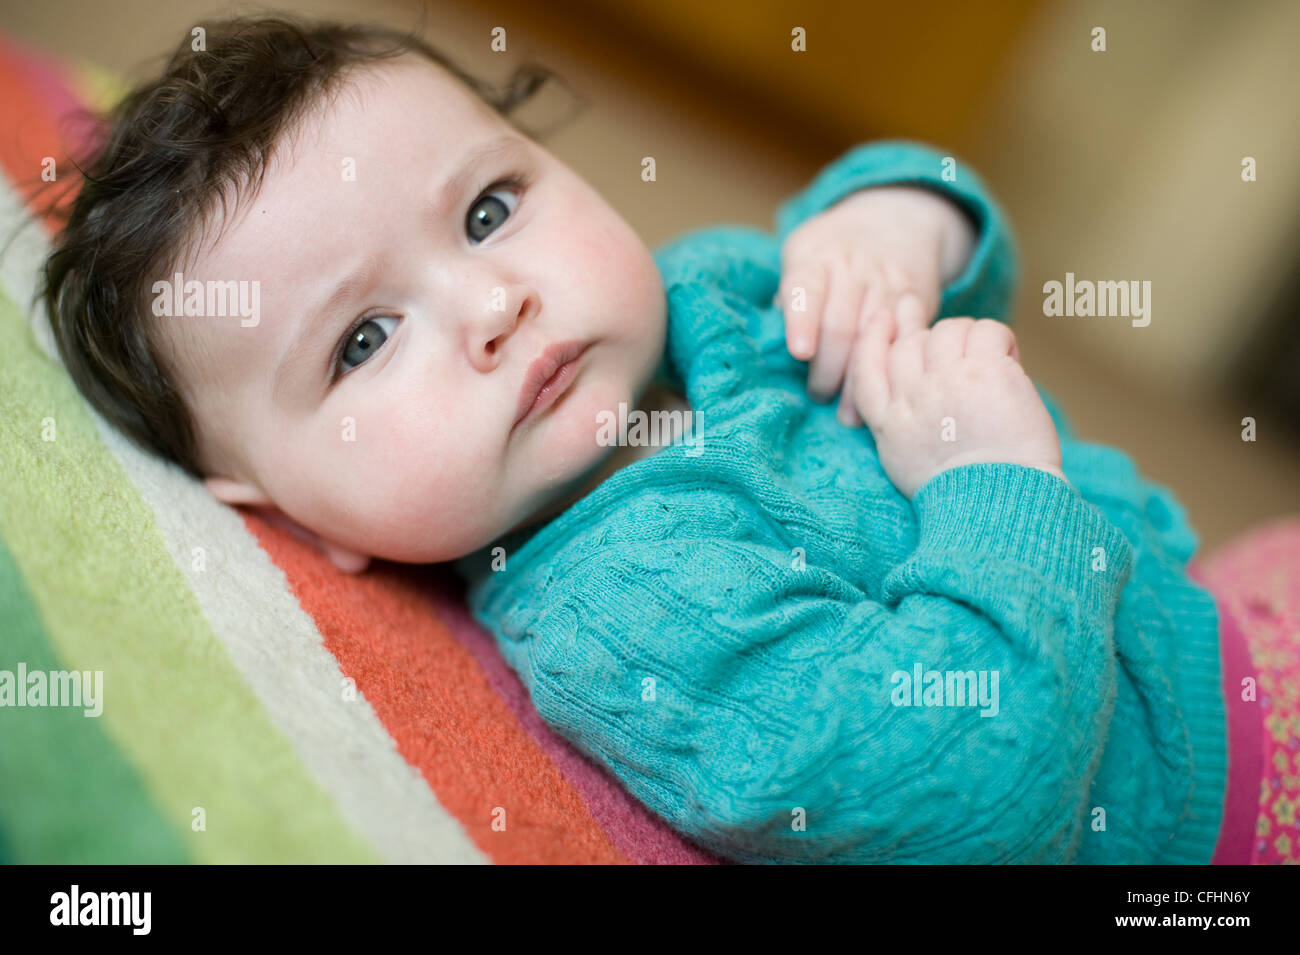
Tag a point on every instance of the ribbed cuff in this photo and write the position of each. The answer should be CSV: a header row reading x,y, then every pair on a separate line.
x,y
1008,535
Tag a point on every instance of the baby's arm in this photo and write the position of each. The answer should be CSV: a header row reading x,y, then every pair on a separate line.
x,y
756,701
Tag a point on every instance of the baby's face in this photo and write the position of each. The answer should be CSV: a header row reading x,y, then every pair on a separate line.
x,y
405,444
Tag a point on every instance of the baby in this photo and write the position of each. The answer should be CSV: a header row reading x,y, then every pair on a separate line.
x,y
954,635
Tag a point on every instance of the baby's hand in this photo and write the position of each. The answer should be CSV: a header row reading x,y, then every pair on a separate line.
x,y
950,395
878,252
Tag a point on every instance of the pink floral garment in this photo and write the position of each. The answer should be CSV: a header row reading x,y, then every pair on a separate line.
x,y
1256,580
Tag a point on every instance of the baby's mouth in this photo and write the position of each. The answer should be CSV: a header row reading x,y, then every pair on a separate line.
x,y
548,377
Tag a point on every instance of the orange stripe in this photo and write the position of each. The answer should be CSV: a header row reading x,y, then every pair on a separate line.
x,y
432,697
29,135
382,628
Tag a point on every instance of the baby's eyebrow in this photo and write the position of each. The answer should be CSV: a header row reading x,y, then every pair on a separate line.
x,y
306,342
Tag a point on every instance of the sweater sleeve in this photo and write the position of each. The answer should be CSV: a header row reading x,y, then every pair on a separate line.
x,y
730,272
758,704
986,289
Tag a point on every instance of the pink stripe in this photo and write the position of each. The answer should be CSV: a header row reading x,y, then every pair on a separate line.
x,y
1245,740
637,832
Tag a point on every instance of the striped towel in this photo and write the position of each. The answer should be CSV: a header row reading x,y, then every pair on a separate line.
x,y
257,705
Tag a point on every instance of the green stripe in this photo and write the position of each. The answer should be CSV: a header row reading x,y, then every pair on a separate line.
x,y
66,793
111,598
6,854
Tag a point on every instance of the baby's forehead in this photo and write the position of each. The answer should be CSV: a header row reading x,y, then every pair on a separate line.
x,y
333,185
385,105
379,137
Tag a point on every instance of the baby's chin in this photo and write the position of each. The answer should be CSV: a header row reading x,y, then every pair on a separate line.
x,y
566,450
552,501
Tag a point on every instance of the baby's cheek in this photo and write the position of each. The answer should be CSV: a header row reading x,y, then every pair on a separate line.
x,y
442,471
604,244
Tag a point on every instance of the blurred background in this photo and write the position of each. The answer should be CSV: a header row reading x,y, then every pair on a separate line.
x,y
1115,166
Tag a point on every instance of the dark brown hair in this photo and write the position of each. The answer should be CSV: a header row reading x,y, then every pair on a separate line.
x,y
168,154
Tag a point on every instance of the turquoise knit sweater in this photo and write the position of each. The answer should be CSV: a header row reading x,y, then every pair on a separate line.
x,y
734,628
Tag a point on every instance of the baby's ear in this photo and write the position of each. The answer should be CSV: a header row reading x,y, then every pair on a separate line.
x,y
348,561
231,491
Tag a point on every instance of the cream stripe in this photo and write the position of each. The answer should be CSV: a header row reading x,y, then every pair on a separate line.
x,y
272,641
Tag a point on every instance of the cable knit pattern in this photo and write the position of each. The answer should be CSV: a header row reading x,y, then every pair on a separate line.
x,y
721,626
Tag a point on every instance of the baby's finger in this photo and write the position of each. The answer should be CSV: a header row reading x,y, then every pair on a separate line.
x,y
912,309
847,413
991,337
907,361
916,310
948,341
870,371
839,327
801,297
876,288
876,295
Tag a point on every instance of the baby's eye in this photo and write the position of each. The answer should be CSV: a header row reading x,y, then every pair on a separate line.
x,y
489,212
367,339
